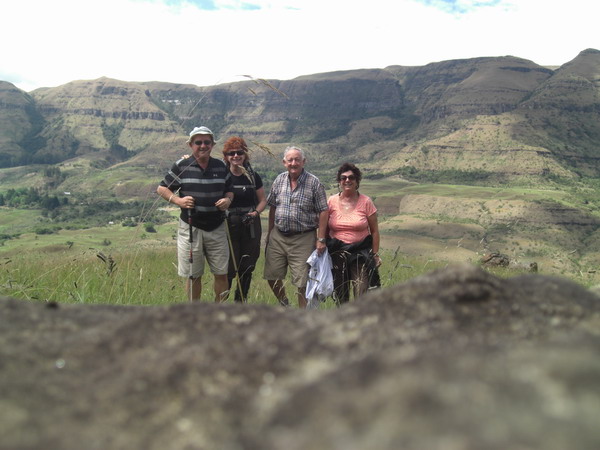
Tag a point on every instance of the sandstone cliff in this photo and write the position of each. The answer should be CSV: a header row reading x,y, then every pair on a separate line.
x,y
502,115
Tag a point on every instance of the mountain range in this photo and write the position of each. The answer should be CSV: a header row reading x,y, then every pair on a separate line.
x,y
503,118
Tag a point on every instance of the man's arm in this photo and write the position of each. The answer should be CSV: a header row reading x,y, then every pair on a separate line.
x,y
271,221
225,202
168,195
323,220
271,224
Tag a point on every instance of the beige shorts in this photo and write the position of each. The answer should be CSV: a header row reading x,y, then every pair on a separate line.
x,y
293,251
211,245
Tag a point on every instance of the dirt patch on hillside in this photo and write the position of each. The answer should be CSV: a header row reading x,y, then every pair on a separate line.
x,y
495,211
559,239
432,239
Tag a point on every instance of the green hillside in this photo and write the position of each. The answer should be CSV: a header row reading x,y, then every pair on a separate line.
x,y
462,157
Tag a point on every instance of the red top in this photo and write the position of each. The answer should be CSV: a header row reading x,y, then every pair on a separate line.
x,y
351,226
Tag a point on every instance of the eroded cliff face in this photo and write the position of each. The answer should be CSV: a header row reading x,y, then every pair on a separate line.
x,y
500,115
313,109
505,116
104,114
467,88
19,120
563,112
456,358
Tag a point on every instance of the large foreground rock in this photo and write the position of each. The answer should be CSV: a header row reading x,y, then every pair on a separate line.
x,y
457,359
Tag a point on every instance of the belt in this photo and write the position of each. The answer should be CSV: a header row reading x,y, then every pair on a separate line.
x,y
295,233
241,210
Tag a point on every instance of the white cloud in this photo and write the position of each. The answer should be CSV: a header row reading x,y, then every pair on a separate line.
x,y
52,43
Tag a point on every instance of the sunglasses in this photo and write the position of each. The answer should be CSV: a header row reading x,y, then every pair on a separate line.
x,y
349,178
206,142
236,152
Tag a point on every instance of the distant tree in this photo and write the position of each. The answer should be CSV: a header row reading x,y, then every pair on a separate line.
x,y
128,223
50,203
52,172
32,196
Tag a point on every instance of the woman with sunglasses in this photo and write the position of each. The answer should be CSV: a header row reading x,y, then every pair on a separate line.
x,y
244,215
353,241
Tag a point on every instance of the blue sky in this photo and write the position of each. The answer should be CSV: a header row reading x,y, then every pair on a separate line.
x,y
206,42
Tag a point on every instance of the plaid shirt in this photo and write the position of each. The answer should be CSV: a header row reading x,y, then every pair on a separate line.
x,y
297,210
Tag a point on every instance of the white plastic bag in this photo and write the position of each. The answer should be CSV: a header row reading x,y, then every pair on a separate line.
x,y
320,278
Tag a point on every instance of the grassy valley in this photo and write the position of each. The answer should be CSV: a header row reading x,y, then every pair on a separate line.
x,y
463,158
424,226
130,265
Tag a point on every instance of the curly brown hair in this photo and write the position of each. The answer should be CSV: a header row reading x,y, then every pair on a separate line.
x,y
235,143
345,168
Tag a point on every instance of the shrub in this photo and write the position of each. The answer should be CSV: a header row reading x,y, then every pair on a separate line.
x,y
47,230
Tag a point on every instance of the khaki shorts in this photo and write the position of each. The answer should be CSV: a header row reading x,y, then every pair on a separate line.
x,y
211,245
283,251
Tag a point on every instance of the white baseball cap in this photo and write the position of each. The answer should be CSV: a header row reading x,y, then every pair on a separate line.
x,y
200,130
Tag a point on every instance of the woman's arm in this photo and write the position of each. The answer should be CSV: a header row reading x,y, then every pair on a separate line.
x,y
262,202
374,228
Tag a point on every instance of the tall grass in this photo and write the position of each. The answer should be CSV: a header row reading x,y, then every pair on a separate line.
x,y
145,276
128,278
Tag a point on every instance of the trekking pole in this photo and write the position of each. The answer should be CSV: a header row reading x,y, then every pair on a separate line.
x,y
191,258
235,267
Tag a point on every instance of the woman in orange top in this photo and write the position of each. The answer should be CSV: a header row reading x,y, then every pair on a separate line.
x,y
353,237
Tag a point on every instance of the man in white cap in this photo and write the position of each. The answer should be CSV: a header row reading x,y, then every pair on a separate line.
x,y
201,186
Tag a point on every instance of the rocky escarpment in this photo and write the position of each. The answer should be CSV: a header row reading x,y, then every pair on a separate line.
x,y
19,121
456,358
466,88
567,104
311,108
503,115
103,114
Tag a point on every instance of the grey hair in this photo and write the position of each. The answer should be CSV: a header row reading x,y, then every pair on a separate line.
x,y
292,147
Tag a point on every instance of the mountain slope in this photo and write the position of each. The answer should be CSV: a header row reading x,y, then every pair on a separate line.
x,y
19,123
504,117
563,114
115,117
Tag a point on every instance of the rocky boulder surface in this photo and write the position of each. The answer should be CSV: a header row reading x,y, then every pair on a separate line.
x,y
455,359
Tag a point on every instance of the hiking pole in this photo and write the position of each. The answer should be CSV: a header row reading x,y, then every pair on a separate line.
x,y
191,258
235,267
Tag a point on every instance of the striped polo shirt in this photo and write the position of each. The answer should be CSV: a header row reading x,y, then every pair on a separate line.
x,y
207,186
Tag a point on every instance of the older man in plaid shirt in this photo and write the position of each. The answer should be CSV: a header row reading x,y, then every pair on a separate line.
x,y
297,224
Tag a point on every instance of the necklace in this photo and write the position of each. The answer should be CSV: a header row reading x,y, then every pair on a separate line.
x,y
348,204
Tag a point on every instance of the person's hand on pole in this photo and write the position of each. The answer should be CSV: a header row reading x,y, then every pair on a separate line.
x,y
223,203
186,202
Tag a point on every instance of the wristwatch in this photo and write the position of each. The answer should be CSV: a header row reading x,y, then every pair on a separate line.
x,y
321,240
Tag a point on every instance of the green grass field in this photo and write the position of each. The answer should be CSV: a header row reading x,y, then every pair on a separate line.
x,y
129,265
74,267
